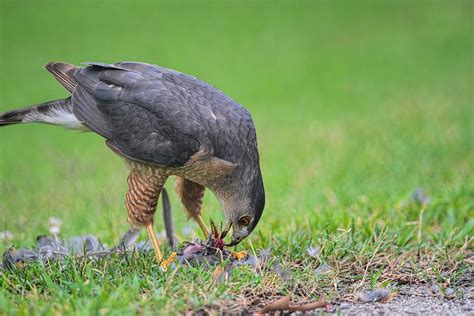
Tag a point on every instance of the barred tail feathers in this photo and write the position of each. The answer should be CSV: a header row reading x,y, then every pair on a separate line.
x,y
58,112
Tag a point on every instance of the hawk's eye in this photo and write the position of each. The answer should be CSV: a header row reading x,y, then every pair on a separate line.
x,y
244,220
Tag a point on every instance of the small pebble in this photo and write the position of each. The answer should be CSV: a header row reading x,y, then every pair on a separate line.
x,y
434,289
449,292
344,306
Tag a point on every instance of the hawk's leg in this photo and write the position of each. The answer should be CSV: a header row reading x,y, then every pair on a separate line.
x,y
191,194
144,187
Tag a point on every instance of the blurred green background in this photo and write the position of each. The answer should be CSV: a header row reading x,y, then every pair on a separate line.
x,y
356,104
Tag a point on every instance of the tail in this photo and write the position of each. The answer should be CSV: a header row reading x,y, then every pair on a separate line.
x,y
58,112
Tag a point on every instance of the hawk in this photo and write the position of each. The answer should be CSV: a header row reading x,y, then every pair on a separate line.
x,y
163,123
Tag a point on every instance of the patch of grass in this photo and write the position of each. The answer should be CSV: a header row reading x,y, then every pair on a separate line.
x,y
355,104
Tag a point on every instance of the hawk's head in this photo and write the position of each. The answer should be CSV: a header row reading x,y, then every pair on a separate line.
x,y
243,210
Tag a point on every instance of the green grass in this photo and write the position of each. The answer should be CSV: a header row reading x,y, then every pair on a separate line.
x,y
356,104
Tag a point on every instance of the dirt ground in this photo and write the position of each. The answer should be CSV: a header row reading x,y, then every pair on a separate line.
x,y
416,300
410,300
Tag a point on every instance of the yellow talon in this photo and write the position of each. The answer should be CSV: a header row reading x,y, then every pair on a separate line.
x,y
239,254
201,224
166,262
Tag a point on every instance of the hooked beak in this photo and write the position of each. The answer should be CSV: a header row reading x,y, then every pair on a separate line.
x,y
226,231
232,243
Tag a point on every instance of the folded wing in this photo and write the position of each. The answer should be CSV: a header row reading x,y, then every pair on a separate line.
x,y
143,116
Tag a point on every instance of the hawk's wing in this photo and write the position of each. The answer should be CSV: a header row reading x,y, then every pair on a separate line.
x,y
143,116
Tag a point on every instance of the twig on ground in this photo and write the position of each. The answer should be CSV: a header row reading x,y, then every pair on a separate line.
x,y
283,304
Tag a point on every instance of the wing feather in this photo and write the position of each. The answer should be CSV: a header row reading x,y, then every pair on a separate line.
x,y
64,73
137,114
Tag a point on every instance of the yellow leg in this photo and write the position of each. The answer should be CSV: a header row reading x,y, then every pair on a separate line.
x,y
156,247
201,224
155,243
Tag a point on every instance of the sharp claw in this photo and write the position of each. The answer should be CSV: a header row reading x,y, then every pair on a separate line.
x,y
213,229
213,226
239,254
166,262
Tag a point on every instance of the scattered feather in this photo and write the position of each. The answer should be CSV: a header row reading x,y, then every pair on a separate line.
x,y
54,225
323,268
210,252
129,239
12,257
313,251
258,263
221,274
383,295
282,272
264,258
420,197
6,235
84,244
251,261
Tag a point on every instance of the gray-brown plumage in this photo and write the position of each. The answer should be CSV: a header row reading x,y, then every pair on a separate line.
x,y
163,123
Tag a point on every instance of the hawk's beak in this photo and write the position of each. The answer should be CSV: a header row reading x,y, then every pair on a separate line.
x,y
226,231
232,243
